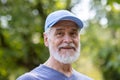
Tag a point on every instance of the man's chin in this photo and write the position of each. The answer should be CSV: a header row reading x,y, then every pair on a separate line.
x,y
66,60
67,53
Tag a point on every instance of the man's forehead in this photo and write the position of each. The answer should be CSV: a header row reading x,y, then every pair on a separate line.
x,y
58,29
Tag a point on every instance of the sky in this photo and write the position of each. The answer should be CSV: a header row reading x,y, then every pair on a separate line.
x,y
82,10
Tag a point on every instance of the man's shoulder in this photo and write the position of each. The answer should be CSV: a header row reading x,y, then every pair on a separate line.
x,y
28,76
32,75
38,73
81,76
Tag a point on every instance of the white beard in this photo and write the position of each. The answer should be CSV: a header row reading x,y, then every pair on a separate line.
x,y
66,58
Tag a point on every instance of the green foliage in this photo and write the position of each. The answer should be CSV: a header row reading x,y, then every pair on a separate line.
x,y
107,51
21,30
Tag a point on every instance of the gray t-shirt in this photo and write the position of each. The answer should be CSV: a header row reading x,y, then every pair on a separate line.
x,y
43,72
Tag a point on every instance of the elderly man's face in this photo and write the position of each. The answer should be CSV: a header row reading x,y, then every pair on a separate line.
x,y
63,41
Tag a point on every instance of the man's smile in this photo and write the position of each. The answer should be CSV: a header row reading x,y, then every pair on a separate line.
x,y
67,48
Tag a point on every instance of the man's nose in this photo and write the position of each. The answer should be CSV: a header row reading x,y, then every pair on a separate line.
x,y
67,39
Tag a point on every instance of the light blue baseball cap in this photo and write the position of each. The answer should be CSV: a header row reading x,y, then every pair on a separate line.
x,y
56,16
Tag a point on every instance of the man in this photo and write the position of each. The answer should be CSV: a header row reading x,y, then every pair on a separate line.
x,y
61,36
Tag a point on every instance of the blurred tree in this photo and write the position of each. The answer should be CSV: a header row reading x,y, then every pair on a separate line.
x,y
104,31
21,28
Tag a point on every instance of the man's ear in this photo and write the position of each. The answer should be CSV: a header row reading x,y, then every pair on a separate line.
x,y
45,39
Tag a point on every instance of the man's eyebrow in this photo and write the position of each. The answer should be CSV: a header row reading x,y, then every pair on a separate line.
x,y
75,29
58,29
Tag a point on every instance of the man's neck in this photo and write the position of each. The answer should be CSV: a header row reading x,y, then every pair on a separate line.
x,y
66,69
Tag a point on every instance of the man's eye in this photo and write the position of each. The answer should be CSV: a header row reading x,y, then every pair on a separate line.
x,y
59,33
73,34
